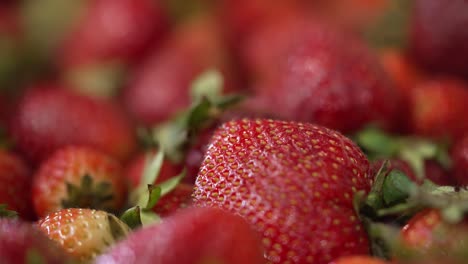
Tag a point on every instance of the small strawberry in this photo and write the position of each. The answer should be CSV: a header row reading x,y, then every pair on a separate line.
x,y
78,177
50,117
460,161
134,25
161,86
323,83
437,109
83,233
21,242
419,230
443,46
359,260
15,184
294,182
195,235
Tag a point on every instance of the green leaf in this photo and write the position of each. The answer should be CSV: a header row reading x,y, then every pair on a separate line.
x,y
397,187
152,168
132,217
4,212
154,193
149,218
170,184
208,85
377,143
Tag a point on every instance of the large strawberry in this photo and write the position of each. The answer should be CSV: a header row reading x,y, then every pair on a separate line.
x,y
113,31
441,46
294,182
195,235
50,117
83,233
21,242
161,86
15,184
333,79
78,177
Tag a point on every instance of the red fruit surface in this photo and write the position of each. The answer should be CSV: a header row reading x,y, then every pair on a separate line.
x,y
20,241
177,199
359,260
83,233
439,39
114,31
293,182
50,117
161,86
70,165
437,109
419,230
195,235
333,79
459,155
15,184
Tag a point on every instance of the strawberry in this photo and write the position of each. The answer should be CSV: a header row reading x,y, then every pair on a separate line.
x,y
180,197
15,184
359,260
134,25
195,235
441,47
419,230
437,109
50,117
78,177
83,233
322,83
459,156
21,242
293,182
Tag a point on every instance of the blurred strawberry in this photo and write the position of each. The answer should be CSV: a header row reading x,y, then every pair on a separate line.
x,y
160,88
401,69
359,260
460,160
15,184
21,242
437,109
78,177
49,117
333,79
442,46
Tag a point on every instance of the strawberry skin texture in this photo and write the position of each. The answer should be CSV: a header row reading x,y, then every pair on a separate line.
x,y
332,78
359,260
419,230
15,184
114,30
293,182
69,165
19,240
437,109
194,235
180,197
50,117
443,46
161,86
83,233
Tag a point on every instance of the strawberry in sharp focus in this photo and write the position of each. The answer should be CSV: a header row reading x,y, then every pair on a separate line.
x,y
440,46
78,177
332,78
194,235
83,233
15,184
21,242
161,86
437,109
50,117
294,182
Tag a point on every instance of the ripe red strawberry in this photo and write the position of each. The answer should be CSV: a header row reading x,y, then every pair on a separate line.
x,y
294,182
419,230
460,161
83,233
50,117
196,235
437,109
113,31
177,199
359,260
333,79
160,87
78,177
441,46
15,184
21,242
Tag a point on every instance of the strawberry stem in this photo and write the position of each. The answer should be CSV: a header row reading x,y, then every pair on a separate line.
x,y
88,194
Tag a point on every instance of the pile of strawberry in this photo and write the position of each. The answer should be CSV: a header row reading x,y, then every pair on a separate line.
x,y
233,131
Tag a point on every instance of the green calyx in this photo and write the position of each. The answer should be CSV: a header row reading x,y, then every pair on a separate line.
x,y
4,212
208,103
414,150
89,194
